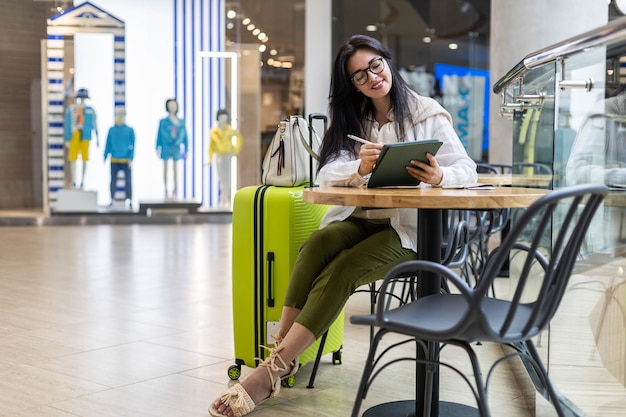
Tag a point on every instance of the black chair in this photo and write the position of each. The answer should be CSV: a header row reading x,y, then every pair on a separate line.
x,y
489,222
469,315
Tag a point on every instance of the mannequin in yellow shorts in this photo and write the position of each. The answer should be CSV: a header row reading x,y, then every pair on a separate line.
x,y
80,121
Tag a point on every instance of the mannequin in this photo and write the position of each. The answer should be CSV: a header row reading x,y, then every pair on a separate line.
x,y
120,145
80,121
225,143
171,143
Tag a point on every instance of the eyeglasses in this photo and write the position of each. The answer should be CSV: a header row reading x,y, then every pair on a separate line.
x,y
377,65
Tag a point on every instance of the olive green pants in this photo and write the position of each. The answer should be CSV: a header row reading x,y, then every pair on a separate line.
x,y
334,262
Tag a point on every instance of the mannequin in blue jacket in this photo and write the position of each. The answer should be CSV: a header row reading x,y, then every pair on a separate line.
x,y
120,146
171,143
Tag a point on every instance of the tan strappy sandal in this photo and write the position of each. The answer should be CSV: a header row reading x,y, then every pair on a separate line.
x,y
239,400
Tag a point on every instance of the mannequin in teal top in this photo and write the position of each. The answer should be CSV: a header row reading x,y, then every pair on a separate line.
x,y
120,146
171,143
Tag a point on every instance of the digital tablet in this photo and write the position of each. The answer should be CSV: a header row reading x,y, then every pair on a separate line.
x,y
390,170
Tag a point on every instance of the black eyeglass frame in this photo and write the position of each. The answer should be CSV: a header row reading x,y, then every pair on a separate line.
x,y
369,68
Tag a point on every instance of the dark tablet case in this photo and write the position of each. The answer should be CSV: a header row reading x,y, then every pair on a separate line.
x,y
390,170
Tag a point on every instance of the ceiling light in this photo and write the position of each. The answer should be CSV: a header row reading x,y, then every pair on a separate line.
x,y
262,36
262,48
230,25
453,46
245,21
250,26
231,14
371,28
427,39
256,31
273,52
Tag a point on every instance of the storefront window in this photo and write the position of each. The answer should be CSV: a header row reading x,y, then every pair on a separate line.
x,y
440,47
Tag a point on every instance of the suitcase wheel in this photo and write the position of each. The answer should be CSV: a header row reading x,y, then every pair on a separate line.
x,y
234,372
337,357
288,382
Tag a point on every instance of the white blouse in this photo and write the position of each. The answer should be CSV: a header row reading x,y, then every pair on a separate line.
x,y
430,121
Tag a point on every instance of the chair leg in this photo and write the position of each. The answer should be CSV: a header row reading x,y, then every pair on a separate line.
x,y
318,357
431,355
367,372
538,365
373,299
482,402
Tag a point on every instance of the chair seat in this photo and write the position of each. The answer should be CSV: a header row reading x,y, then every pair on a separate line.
x,y
445,316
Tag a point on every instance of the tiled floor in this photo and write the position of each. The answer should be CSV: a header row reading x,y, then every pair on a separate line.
x,y
135,320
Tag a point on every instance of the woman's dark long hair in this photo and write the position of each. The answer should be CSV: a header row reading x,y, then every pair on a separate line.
x,y
351,111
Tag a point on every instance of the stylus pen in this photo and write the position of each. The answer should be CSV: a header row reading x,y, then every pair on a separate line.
x,y
358,139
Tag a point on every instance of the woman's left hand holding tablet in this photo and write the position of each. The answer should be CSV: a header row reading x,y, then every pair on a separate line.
x,y
429,173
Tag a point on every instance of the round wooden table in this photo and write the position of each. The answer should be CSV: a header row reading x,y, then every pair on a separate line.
x,y
430,203
424,197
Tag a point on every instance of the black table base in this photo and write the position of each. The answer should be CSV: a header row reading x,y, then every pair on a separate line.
x,y
429,244
407,409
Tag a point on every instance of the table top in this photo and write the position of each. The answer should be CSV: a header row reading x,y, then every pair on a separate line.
x,y
616,199
524,180
424,197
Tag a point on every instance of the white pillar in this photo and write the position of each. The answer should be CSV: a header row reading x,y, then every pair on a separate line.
x,y
318,55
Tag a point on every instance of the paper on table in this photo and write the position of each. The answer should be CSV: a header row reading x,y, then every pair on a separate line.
x,y
472,186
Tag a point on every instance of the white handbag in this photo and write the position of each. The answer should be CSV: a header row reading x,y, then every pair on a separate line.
x,y
289,157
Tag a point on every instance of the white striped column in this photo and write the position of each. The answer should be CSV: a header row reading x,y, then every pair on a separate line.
x,y
199,27
55,115
119,91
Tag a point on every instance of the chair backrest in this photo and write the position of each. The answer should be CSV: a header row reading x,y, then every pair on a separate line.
x,y
485,168
456,234
531,168
564,215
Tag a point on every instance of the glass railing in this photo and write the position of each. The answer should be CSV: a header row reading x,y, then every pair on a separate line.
x,y
567,104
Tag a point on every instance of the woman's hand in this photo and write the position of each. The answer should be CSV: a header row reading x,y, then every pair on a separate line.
x,y
369,155
428,173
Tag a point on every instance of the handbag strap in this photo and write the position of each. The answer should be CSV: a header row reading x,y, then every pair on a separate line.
x,y
303,140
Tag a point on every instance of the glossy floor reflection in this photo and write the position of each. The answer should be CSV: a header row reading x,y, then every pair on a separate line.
x,y
136,321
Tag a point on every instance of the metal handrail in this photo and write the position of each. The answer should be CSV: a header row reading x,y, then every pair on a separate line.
x,y
608,34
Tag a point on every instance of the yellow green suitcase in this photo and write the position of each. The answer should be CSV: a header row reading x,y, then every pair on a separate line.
x,y
270,224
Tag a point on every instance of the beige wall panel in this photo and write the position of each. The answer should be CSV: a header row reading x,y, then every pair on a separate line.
x,y
22,26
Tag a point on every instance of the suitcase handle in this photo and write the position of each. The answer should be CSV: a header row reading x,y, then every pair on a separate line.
x,y
270,279
312,117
